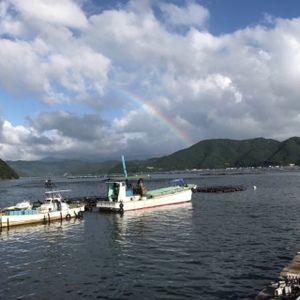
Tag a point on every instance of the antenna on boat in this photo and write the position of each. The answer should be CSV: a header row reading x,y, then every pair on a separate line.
x,y
49,184
124,166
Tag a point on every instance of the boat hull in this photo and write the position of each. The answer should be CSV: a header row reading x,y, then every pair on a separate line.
x,y
132,203
32,217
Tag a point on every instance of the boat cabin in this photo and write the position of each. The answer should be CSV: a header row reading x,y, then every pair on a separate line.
x,y
120,190
54,201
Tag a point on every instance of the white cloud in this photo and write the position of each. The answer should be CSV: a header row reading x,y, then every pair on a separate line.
x,y
55,12
190,15
45,72
13,143
190,81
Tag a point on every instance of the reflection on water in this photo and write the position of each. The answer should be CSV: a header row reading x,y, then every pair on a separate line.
x,y
219,246
29,254
19,232
144,223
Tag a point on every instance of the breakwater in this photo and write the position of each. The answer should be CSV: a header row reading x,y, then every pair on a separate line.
x,y
220,189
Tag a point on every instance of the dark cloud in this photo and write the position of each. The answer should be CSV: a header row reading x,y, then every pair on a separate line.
x,y
86,127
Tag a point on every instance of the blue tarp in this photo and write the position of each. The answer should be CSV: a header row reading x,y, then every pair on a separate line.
x,y
179,181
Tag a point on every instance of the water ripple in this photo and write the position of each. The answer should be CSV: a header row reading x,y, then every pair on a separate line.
x,y
220,246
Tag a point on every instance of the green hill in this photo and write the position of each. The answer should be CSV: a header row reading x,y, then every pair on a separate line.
x,y
207,154
6,172
288,151
225,153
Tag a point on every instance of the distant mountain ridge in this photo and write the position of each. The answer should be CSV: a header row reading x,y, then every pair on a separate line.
x,y
207,154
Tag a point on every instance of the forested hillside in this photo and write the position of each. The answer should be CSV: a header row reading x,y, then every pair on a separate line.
x,y
6,172
224,153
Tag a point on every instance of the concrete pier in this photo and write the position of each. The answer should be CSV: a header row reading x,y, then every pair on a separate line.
x,y
288,284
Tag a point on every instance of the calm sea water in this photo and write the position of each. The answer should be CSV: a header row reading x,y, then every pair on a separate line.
x,y
219,246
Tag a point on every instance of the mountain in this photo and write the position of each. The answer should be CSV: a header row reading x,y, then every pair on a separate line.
x,y
224,153
6,172
60,167
207,154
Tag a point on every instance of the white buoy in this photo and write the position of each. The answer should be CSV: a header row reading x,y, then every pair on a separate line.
x,y
254,187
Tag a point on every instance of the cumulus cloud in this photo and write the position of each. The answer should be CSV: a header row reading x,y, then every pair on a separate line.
x,y
190,15
56,12
181,86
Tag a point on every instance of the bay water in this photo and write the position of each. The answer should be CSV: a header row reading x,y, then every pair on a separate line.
x,y
219,246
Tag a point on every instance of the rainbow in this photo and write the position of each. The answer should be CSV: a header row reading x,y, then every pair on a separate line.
x,y
157,114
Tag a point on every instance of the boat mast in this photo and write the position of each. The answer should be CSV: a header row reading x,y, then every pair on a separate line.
x,y
124,166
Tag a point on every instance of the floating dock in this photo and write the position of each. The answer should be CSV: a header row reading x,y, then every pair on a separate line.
x,y
287,287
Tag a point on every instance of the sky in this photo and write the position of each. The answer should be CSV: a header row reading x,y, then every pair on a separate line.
x,y
83,79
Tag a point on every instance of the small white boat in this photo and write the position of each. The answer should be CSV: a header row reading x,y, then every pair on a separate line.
x,y
25,204
54,208
122,196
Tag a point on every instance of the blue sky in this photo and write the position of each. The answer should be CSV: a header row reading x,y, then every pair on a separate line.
x,y
231,15
144,78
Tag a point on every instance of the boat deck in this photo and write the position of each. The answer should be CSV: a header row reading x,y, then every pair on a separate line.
x,y
164,191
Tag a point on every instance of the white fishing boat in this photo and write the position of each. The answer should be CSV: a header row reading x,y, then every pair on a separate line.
x,y
54,208
123,196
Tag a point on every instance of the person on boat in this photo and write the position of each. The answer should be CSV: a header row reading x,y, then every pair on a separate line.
x,y
115,191
128,184
141,187
141,183
58,204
